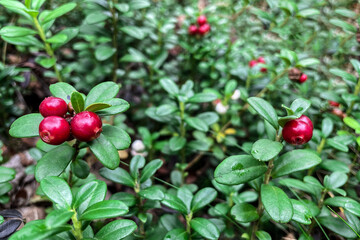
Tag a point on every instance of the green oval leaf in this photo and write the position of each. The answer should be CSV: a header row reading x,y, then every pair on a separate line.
x,y
265,110
205,228
276,203
104,209
57,190
244,212
105,151
265,149
294,161
117,229
77,102
101,92
26,126
239,169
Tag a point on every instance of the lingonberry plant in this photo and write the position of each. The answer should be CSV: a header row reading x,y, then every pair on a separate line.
x,y
244,119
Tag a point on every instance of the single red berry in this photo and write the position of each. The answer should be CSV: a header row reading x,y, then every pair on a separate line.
x,y
86,126
261,60
193,29
307,120
263,70
53,106
54,130
202,20
333,103
298,131
204,29
253,63
303,78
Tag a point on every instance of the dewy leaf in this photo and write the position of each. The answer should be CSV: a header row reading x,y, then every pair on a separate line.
x,y
265,110
203,198
239,169
105,151
62,90
118,229
57,190
104,209
205,228
26,126
54,162
276,203
265,149
294,161
77,102
101,92
59,11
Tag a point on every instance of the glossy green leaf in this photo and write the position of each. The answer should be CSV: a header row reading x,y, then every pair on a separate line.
x,y
118,175
150,169
117,106
262,235
26,126
265,149
197,123
136,163
177,234
6,174
347,203
276,203
57,190
105,151
104,52
244,212
294,161
14,31
77,102
104,209
205,228
97,107
175,203
203,198
89,194
101,92
239,169
58,217
152,193
308,62
202,97
176,143
134,32
59,11
62,90
117,229
169,86
301,213
54,162
265,110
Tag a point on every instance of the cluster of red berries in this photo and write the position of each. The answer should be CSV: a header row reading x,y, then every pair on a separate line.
x,y
61,124
336,110
298,131
203,27
253,63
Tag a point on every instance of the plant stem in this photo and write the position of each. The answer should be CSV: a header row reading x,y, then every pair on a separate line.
x,y
114,39
48,48
267,177
76,227
188,227
356,92
182,134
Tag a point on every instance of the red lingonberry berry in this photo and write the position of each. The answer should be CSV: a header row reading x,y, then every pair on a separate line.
x,y
253,63
201,20
307,120
261,60
204,29
53,106
86,126
303,78
193,29
54,130
263,70
333,103
298,131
